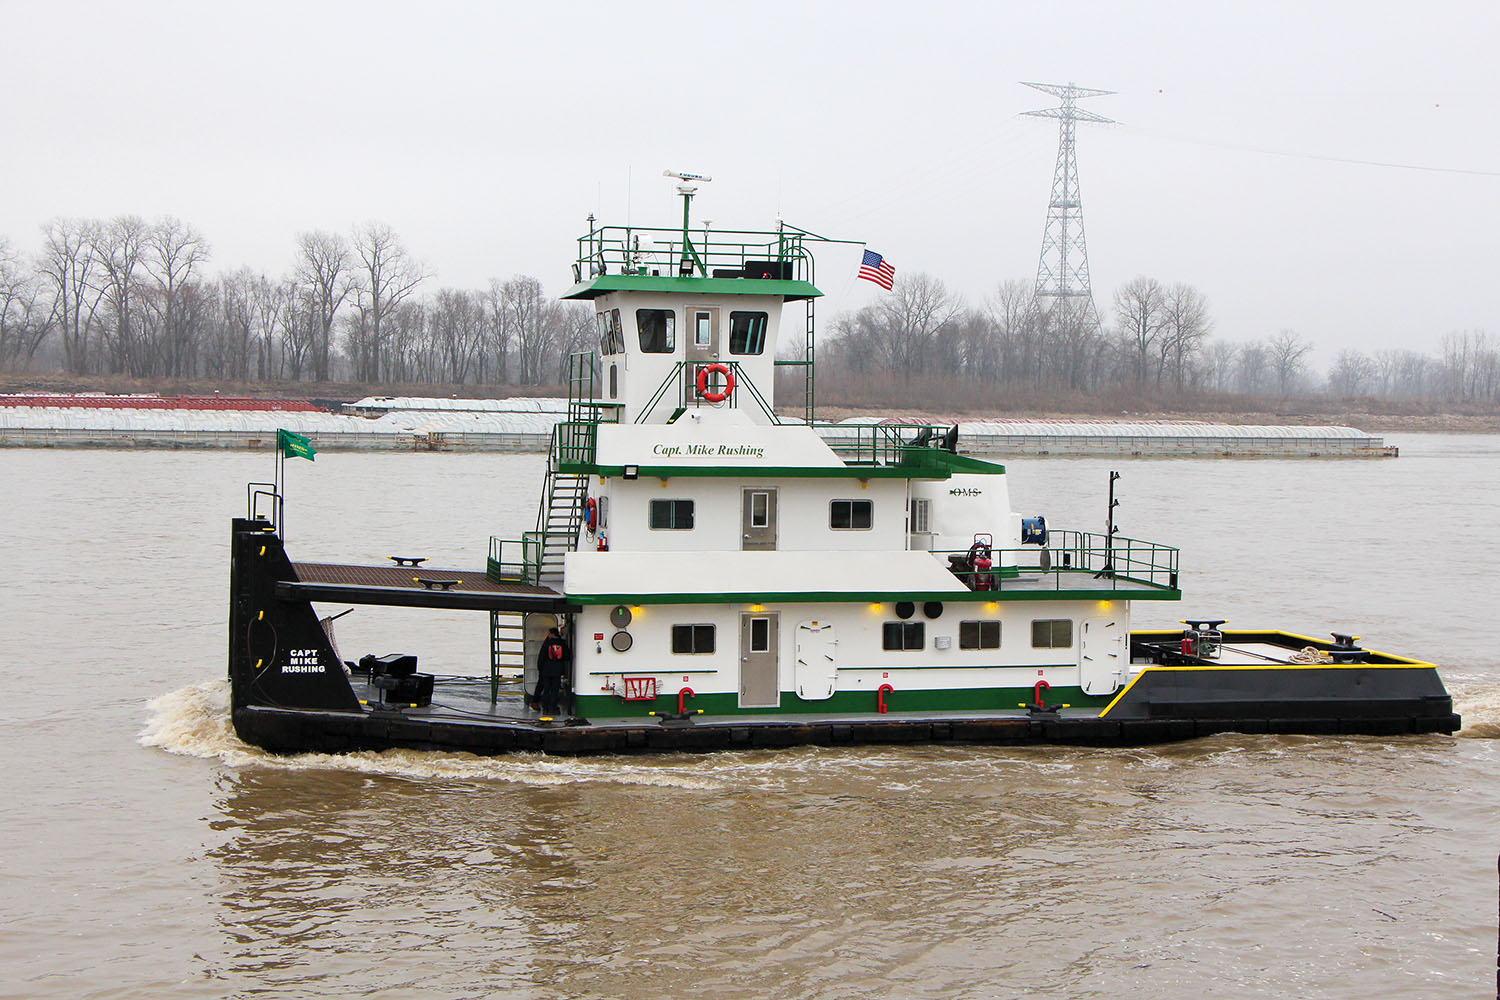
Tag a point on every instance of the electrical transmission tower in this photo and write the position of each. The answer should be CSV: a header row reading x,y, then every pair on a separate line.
x,y
1062,276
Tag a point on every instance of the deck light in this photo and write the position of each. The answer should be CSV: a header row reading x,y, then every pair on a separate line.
x,y
631,472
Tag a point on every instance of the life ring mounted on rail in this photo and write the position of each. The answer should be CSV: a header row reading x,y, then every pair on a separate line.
x,y
715,395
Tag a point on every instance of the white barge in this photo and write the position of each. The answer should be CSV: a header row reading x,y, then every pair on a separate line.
x,y
725,579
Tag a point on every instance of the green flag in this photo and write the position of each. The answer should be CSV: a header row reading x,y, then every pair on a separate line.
x,y
294,445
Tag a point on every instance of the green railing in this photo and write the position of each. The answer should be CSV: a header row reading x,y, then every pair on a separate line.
x,y
684,380
1068,559
515,560
881,444
574,442
661,252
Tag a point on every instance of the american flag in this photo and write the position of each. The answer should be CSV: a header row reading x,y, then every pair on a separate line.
x,y
874,268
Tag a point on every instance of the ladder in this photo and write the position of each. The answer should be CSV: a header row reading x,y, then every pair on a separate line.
x,y
507,650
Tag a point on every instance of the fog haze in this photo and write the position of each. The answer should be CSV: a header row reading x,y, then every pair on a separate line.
x,y
1328,168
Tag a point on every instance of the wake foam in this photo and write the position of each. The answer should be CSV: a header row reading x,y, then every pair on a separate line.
x,y
194,721
1479,705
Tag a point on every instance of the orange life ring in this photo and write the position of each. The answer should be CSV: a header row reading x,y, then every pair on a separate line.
x,y
590,514
709,395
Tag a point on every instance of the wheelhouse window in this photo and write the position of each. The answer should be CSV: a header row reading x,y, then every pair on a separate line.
x,y
1052,633
658,330
747,332
672,515
903,635
692,639
616,335
978,635
851,515
604,344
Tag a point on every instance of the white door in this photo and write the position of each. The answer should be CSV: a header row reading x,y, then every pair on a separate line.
x,y
1101,655
817,664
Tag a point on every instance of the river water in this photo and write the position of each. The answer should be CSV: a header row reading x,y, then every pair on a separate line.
x,y
146,853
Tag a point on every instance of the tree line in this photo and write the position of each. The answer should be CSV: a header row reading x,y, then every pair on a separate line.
x,y
1156,338
125,296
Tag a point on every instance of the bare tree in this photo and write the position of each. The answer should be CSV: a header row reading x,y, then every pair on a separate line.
x,y
909,319
1352,374
1139,306
1185,325
68,266
1286,351
387,277
323,271
172,250
25,321
117,249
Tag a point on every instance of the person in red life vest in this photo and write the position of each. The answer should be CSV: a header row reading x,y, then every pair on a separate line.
x,y
551,664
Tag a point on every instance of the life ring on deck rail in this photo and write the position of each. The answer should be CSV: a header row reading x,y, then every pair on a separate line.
x,y
711,395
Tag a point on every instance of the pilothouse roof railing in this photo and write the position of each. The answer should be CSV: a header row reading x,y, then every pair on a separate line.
x,y
662,253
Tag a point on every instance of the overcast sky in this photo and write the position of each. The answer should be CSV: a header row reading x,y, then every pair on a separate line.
x,y
1332,168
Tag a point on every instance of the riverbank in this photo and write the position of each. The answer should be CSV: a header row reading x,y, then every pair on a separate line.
x,y
1374,416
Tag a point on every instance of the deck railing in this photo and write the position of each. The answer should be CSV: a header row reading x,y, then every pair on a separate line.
x,y
513,560
1123,563
880,444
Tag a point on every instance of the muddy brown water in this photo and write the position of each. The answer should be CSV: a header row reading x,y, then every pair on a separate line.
x,y
147,853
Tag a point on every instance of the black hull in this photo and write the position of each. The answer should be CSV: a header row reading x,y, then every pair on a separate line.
x,y
298,731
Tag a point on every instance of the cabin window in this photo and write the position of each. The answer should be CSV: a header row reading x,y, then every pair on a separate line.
x,y
747,332
658,330
614,381
703,329
760,635
851,515
616,335
692,638
1051,633
904,635
672,515
603,319
978,635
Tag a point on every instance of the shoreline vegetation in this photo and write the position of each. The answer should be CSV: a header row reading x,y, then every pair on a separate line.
x,y
928,399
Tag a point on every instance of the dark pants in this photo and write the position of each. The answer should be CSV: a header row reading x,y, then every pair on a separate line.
x,y
549,690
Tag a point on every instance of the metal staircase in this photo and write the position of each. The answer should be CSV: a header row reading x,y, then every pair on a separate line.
x,y
559,518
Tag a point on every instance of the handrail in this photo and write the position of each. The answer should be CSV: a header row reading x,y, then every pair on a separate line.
x,y
618,250
1071,553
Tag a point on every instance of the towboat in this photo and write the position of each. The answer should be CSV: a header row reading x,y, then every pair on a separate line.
x,y
724,576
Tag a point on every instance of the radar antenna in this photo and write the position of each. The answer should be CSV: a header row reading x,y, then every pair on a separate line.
x,y
690,258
